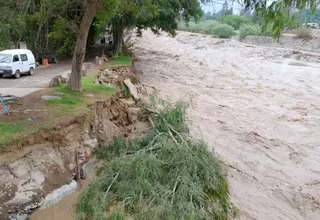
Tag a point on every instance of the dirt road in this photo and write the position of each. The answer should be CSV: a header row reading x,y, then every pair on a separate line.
x,y
40,79
259,111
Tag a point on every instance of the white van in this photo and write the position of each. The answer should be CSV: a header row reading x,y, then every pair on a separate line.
x,y
16,62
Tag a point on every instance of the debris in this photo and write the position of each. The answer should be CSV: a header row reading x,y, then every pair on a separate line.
x,y
133,90
58,80
50,97
129,102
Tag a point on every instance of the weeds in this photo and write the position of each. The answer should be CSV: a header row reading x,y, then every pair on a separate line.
x,y
304,32
162,175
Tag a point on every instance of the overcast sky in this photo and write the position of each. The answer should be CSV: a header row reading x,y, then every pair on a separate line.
x,y
216,6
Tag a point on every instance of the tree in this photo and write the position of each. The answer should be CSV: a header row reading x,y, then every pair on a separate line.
x,y
81,43
154,14
278,12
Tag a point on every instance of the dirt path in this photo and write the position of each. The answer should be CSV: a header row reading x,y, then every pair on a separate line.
x,y
260,116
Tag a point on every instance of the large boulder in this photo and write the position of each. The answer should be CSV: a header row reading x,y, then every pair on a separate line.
x,y
58,80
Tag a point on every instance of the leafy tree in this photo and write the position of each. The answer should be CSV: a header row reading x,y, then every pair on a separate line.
x,y
234,21
155,14
279,12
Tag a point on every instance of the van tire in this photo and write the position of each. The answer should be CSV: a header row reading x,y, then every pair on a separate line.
x,y
31,71
17,74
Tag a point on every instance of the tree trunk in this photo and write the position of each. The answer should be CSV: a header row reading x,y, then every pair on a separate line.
x,y
75,81
117,29
118,42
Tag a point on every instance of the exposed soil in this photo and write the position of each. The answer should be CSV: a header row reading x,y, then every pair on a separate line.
x,y
36,165
257,107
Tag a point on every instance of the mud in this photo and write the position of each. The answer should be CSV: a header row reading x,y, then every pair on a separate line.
x,y
258,112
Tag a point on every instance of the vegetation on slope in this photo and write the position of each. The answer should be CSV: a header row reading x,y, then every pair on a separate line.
x,y
162,175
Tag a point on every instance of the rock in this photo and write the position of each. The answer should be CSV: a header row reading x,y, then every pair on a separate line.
x,y
107,72
18,169
72,166
92,143
89,95
58,80
27,188
55,197
49,97
132,88
87,168
58,93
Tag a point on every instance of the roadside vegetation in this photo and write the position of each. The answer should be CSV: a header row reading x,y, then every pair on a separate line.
x,y
163,174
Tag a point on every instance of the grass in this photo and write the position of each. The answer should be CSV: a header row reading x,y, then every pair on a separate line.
x,y
72,99
88,85
11,131
162,175
120,61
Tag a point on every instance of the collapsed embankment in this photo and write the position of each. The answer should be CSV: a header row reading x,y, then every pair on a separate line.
x,y
48,159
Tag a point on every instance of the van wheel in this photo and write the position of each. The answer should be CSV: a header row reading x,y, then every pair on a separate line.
x,y
17,74
31,71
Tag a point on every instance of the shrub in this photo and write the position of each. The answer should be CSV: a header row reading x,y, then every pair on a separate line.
x,y
223,31
248,29
304,32
235,21
203,27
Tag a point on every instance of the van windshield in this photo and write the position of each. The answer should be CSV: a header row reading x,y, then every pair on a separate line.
x,y
5,58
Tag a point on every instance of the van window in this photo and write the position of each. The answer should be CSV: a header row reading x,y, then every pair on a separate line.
x,y
5,58
15,58
24,57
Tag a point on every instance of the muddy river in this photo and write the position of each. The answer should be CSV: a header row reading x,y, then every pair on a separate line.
x,y
259,110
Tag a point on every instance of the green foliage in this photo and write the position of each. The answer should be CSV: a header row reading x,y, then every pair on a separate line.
x,y
203,27
162,175
223,31
234,21
303,32
248,29
278,12
64,36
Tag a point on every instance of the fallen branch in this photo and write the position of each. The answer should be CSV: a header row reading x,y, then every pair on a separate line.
x,y
105,195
